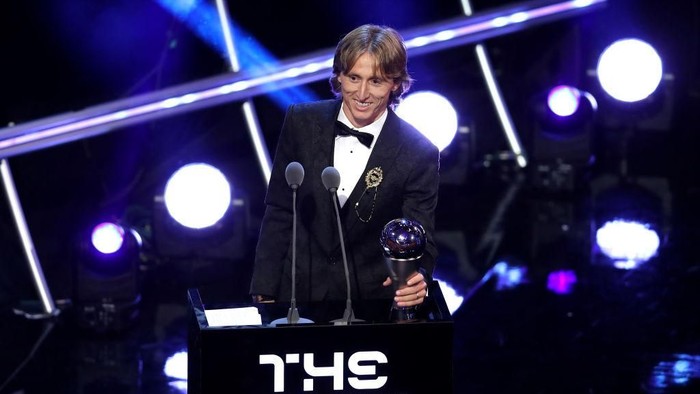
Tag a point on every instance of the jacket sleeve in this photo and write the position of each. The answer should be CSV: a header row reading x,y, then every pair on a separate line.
x,y
421,197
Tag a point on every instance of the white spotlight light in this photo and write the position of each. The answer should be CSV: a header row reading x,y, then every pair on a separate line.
x,y
629,70
627,243
564,100
432,114
107,237
197,195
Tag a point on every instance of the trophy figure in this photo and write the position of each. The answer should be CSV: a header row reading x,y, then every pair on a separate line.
x,y
403,241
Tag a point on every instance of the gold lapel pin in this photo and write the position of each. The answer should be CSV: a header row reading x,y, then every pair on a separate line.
x,y
373,178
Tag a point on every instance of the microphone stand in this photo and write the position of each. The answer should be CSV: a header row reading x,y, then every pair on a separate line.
x,y
349,314
293,313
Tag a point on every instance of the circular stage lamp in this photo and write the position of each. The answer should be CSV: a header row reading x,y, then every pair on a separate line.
x,y
197,195
563,100
629,70
566,111
107,237
432,114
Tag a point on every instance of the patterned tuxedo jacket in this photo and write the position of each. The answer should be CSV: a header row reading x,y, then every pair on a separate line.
x,y
409,164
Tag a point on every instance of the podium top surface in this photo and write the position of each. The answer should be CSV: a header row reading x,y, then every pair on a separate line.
x,y
433,310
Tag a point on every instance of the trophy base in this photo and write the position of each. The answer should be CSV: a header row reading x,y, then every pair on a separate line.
x,y
404,315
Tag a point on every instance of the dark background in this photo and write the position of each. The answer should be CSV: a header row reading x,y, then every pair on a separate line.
x,y
63,56
617,331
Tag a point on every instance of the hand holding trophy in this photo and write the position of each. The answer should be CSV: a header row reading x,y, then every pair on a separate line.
x,y
403,241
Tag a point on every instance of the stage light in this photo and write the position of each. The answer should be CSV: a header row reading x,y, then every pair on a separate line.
x,y
508,275
198,216
113,248
629,222
197,195
432,114
252,56
107,290
108,237
562,281
562,141
564,100
627,243
629,70
680,372
175,369
567,111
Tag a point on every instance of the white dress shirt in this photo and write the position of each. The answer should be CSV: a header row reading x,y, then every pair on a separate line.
x,y
350,156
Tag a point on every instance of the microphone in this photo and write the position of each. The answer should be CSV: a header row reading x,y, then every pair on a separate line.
x,y
294,174
331,181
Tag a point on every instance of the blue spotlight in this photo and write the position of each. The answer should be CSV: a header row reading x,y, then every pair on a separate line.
x,y
197,195
509,276
432,114
683,371
202,18
562,144
114,248
107,291
629,70
569,107
101,119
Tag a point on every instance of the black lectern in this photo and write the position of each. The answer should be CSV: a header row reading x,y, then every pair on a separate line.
x,y
373,356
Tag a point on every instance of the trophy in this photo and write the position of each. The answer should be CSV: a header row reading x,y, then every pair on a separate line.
x,y
403,241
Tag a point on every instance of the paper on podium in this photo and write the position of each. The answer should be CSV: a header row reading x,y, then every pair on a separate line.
x,y
246,316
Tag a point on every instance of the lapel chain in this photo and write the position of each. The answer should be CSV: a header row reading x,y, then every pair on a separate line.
x,y
373,178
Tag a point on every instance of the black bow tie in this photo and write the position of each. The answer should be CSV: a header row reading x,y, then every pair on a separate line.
x,y
343,129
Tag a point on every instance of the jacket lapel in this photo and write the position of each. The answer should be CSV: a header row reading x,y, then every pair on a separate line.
x,y
322,150
384,156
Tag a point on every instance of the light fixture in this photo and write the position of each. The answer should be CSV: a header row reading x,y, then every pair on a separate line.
x,y
432,114
628,243
629,70
565,111
629,223
198,217
562,143
107,282
197,195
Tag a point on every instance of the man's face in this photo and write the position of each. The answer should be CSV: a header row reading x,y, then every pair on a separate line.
x,y
365,94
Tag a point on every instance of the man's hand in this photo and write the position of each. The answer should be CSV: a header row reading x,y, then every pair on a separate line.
x,y
413,293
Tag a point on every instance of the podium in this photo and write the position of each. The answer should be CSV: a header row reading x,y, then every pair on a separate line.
x,y
372,356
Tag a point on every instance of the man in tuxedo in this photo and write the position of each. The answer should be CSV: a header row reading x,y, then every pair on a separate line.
x,y
394,176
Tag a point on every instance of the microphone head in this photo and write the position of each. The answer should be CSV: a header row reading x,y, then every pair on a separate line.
x,y
331,179
294,174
